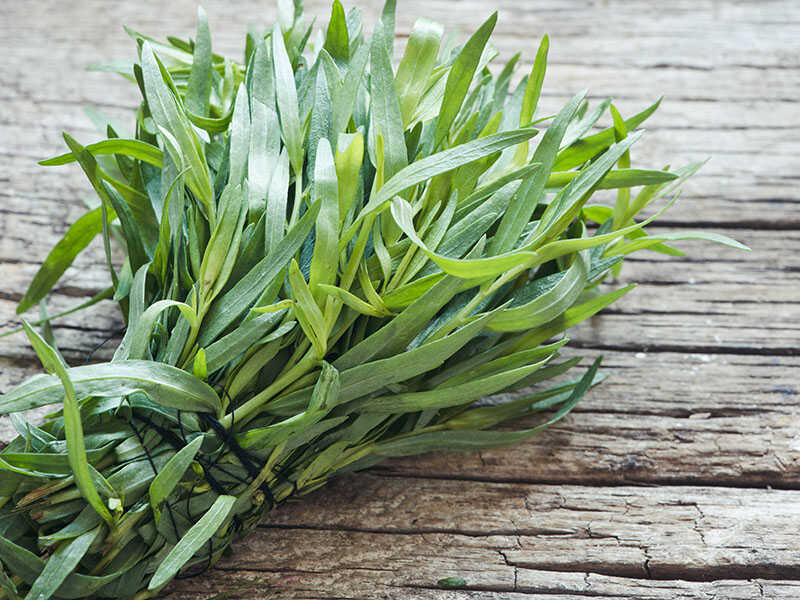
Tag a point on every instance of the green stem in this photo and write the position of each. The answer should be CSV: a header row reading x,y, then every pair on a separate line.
x,y
247,410
484,292
401,269
334,309
189,348
250,368
298,198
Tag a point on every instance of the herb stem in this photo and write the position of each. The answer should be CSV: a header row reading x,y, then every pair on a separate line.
x,y
246,411
298,198
483,293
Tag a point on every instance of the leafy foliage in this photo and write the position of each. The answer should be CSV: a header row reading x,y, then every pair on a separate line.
x,y
328,261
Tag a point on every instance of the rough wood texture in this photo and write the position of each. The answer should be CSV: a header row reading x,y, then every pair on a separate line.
x,y
661,484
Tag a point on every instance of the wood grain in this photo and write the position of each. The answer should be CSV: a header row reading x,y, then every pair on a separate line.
x,y
662,483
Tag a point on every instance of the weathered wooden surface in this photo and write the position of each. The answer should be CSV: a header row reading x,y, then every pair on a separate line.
x,y
663,482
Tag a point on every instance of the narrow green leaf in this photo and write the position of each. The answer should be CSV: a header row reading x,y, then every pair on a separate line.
x,y
73,427
307,312
493,361
464,268
618,178
136,252
223,247
652,240
275,224
396,335
198,90
324,261
530,100
371,376
387,24
28,566
624,194
385,117
465,440
531,191
320,125
200,365
348,159
77,238
337,39
239,137
60,565
571,198
286,95
189,544
124,147
137,298
170,117
163,384
246,336
416,65
444,397
484,417
171,474
344,99
548,305
533,89
351,300
570,318
144,326
460,77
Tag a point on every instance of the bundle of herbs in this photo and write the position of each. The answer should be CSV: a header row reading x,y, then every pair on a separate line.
x,y
327,261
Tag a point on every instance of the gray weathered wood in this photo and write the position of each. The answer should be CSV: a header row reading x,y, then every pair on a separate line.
x,y
702,403
664,542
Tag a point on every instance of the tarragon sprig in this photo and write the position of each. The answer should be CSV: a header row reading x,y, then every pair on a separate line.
x,y
327,261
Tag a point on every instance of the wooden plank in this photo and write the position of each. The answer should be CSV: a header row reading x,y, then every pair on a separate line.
x,y
659,418
363,583
630,33
690,533
553,541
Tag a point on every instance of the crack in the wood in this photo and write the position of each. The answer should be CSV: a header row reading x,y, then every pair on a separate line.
x,y
601,536
781,464
260,569
664,572
696,523
508,564
721,482
744,224
422,531
674,313
759,301
693,349
67,290
505,589
318,597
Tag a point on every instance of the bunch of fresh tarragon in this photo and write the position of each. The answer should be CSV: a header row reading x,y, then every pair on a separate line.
x,y
327,261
